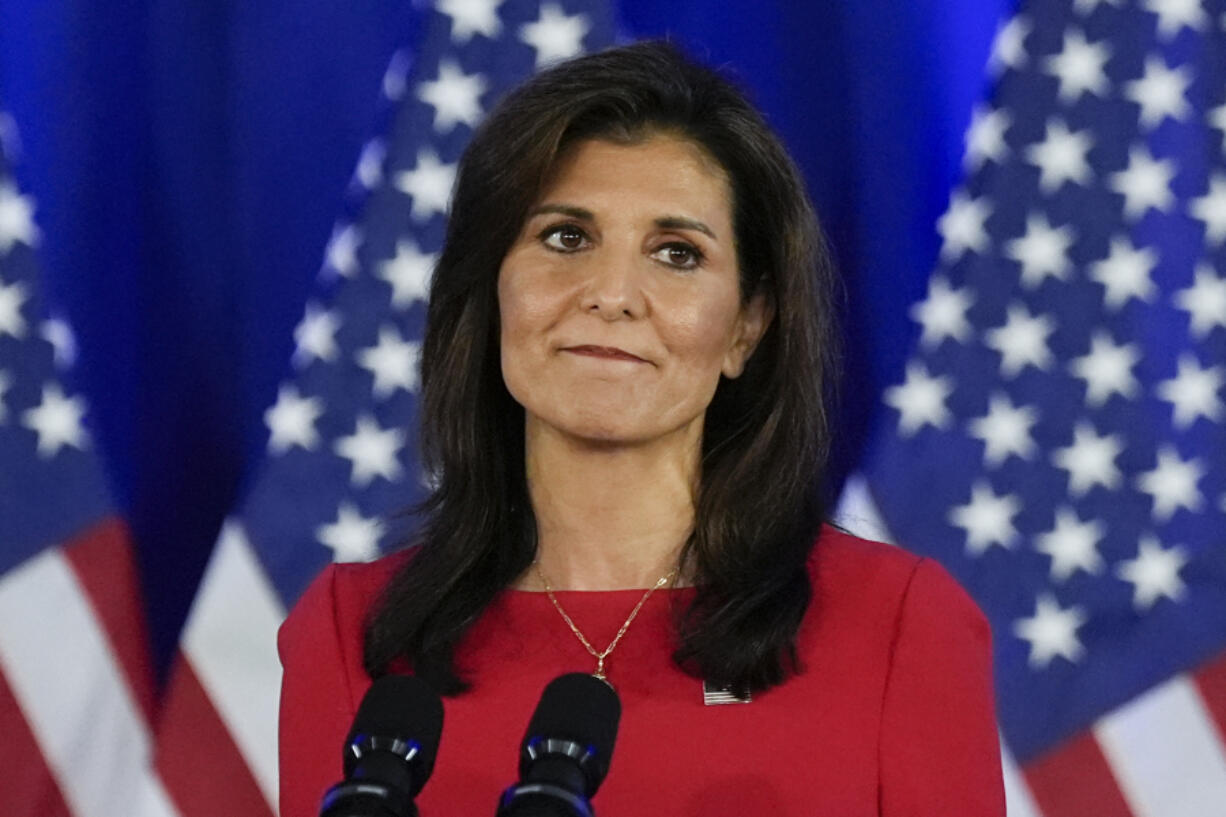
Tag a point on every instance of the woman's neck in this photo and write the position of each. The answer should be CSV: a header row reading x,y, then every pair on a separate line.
x,y
608,517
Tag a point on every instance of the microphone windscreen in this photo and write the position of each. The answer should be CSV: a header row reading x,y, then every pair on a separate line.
x,y
582,708
404,707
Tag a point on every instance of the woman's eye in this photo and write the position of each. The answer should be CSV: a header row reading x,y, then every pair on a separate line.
x,y
682,256
564,238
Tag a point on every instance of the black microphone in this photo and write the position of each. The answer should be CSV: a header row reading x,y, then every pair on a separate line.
x,y
566,751
389,752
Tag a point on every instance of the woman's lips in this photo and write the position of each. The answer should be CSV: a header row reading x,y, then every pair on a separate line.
x,y
607,352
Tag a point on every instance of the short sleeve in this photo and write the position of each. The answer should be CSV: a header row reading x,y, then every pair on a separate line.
x,y
940,751
316,702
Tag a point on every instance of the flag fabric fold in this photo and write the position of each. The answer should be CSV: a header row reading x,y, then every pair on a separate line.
x,y
76,685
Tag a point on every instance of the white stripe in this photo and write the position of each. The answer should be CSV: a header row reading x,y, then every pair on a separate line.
x,y
75,699
858,513
1019,802
1166,754
231,641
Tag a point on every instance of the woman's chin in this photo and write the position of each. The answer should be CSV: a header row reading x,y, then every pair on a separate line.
x,y
612,430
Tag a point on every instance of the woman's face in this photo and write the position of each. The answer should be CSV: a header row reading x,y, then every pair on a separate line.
x,y
619,301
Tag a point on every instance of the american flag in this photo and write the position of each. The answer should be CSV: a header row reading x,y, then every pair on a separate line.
x,y
1058,439
341,456
76,693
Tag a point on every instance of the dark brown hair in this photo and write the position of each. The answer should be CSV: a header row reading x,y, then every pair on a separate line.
x,y
766,434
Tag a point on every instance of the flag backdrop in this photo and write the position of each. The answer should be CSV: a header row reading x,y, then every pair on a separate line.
x,y
189,156
76,687
1063,405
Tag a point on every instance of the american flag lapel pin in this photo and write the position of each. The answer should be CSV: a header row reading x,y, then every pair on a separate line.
x,y
715,694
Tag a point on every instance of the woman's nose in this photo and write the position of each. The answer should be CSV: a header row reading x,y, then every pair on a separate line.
x,y
615,288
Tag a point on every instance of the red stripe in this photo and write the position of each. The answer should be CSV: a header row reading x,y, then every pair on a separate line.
x,y
1075,780
1211,681
105,565
28,788
199,762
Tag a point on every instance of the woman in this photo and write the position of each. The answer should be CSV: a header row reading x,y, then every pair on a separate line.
x,y
625,382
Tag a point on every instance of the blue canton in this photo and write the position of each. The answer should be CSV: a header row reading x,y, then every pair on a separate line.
x,y
50,484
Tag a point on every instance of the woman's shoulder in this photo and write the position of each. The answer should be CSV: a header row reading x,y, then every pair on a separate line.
x,y
840,555
341,595
863,573
366,580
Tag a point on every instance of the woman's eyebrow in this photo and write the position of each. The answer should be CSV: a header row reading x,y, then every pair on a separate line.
x,y
578,213
683,223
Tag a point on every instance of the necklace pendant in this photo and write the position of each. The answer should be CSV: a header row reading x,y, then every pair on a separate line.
x,y
599,673
600,656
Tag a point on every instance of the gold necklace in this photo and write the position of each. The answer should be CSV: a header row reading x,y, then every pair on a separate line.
x,y
587,645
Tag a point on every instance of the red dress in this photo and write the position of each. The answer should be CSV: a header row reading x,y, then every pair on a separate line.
x,y
890,715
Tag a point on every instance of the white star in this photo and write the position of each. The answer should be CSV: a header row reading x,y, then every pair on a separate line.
x,y
943,313
469,17
1090,460
455,97
56,421
1125,273
1154,574
1160,92
1042,251
1051,632
5,382
1204,301
372,450
962,226
1072,545
985,138
341,255
1145,183
1009,47
555,36
352,537
1107,369
408,273
369,170
16,219
1210,210
1022,341
1193,392
920,400
12,296
429,184
315,336
58,333
1080,67
1217,116
1061,157
987,519
1172,484
393,362
1087,7
1173,15
1005,430
291,421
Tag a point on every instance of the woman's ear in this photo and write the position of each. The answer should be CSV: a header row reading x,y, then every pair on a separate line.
x,y
756,315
